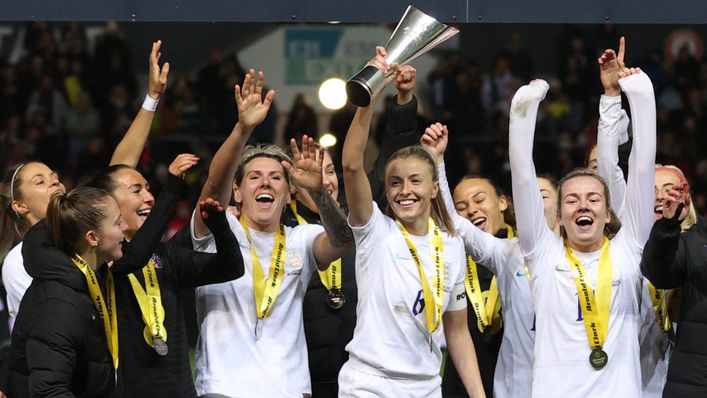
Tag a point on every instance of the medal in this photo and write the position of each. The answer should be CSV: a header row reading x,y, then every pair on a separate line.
x,y
258,330
598,358
160,346
335,299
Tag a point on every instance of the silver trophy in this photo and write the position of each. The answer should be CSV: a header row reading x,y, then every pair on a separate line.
x,y
415,34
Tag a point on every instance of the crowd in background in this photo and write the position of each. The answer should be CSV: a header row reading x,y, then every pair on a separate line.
x,y
67,102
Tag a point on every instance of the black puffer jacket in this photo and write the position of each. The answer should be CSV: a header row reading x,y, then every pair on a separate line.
x,y
670,260
59,346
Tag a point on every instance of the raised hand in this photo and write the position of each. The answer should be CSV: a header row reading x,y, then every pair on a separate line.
x,y
610,66
677,200
182,163
306,173
252,107
209,208
626,72
157,83
405,83
435,140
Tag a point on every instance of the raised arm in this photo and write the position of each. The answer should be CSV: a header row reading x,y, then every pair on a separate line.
x,y
138,251
252,109
306,173
400,129
359,196
640,188
479,244
530,216
200,268
130,147
664,260
613,123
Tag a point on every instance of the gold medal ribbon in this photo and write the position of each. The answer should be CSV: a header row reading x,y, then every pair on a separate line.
x,y
595,307
434,301
150,301
659,299
266,290
106,310
331,277
486,305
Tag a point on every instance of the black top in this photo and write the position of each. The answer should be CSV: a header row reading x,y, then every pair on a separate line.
x,y
487,344
327,330
59,346
671,260
142,372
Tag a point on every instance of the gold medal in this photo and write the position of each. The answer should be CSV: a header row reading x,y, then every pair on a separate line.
x,y
336,299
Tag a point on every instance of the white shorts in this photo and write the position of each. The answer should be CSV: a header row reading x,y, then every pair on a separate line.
x,y
354,383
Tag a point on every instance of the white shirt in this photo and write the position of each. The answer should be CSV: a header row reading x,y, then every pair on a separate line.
x,y
230,360
514,369
562,367
655,345
391,339
15,279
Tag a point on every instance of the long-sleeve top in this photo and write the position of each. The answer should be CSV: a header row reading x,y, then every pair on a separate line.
x,y
512,376
670,260
143,372
561,344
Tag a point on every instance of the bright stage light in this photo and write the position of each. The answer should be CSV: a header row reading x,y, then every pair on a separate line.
x,y
332,93
327,140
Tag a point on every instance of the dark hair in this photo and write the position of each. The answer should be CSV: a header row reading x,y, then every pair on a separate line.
x,y
438,209
12,226
103,179
614,225
71,215
509,215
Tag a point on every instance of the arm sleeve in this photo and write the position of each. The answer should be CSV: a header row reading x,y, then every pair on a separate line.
x,y
608,140
640,188
664,260
400,132
197,269
482,246
530,215
138,251
52,349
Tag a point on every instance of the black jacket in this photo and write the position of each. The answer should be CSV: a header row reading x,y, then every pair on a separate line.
x,y
142,372
671,260
59,346
327,330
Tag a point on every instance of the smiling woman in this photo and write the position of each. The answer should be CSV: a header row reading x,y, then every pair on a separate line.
x,y
584,269
409,266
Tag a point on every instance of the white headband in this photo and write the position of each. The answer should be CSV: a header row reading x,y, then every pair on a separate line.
x,y
12,182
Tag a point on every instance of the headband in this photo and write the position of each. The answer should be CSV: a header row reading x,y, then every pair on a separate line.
x,y
676,173
12,182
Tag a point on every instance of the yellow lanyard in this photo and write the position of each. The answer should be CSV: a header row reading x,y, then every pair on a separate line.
x,y
266,291
106,311
150,301
331,277
659,299
595,307
486,305
433,313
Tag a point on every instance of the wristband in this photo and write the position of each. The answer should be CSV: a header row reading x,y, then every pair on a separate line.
x,y
150,104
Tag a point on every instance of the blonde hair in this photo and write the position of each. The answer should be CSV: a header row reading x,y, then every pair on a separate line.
x,y
270,151
438,210
691,218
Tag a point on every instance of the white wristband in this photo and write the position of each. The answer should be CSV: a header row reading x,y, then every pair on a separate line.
x,y
150,103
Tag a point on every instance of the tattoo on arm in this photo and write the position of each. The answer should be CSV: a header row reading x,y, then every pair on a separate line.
x,y
333,219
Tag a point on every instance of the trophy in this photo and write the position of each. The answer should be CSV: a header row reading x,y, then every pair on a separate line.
x,y
415,34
